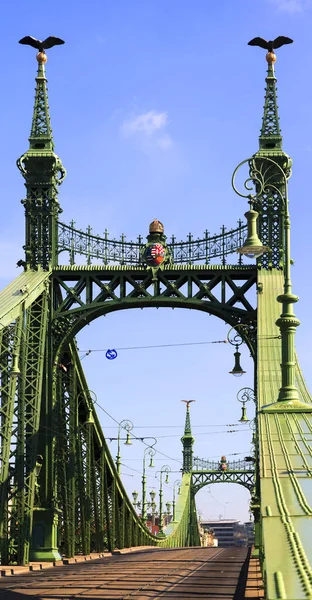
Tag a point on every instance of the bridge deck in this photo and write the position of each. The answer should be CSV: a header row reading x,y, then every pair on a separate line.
x,y
23,290
185,573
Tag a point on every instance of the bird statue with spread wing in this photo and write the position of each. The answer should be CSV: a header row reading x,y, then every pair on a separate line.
x,y
41,46
188,402
271,45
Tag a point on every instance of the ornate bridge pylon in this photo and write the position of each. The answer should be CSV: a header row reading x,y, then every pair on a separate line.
x,y
60,491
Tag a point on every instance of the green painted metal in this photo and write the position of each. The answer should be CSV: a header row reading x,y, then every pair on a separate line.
x,y
208,249
22,368
270,203
244,477
43,172
187,441
60,491
205,472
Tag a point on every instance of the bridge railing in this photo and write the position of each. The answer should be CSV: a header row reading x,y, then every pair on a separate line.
x,y
112,251
200,464
184,531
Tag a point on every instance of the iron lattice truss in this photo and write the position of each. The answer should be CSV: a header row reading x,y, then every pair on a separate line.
x,y
41,126
109,251
82,294
22,348
270,122
202,478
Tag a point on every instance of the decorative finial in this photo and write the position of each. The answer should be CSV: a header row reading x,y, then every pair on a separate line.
x,y
41,45
270,46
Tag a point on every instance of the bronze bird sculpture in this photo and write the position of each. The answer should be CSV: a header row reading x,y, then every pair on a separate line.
x,y
188,402
39,45
272,44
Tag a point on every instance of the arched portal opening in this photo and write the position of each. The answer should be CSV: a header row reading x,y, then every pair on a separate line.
x,y
224,508
163,357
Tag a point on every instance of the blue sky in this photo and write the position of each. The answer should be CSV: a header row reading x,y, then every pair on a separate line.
x,y
153,104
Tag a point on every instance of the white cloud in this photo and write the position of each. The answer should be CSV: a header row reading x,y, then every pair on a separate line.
x,y
147,123
149,127
291,6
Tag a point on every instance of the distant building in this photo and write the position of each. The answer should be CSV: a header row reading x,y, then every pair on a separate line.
x,y
230,532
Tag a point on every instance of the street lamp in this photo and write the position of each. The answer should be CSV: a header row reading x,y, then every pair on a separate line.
x,y
236,340
252,246
150,451
176,483
265,174
127,426
245,395
165,469
18,339
153,505
136,502
89,398
135,497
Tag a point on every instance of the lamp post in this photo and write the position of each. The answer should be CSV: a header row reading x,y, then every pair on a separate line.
x,y
236,340
153,506
128,426
176,483
245,395
168,507
165,469
18,340
136,502
150,451
266,174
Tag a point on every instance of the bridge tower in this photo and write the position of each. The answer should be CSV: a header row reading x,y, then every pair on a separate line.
x,y
187,440
43,172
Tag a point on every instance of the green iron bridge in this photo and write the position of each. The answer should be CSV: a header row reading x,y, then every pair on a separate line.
x,y
60,489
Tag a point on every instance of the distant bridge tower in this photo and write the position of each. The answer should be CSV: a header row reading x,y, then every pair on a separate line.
x,y
187,440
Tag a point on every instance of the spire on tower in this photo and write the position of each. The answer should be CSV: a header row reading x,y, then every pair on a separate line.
x,y
270,198
41,132
43,172
270,136
187,440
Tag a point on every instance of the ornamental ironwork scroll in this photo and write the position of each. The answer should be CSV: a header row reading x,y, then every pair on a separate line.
x,y
266,191
201,464
122,252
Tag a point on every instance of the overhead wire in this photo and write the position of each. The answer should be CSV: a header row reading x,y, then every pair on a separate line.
x,y
175,345
88,352
134,436
179,426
